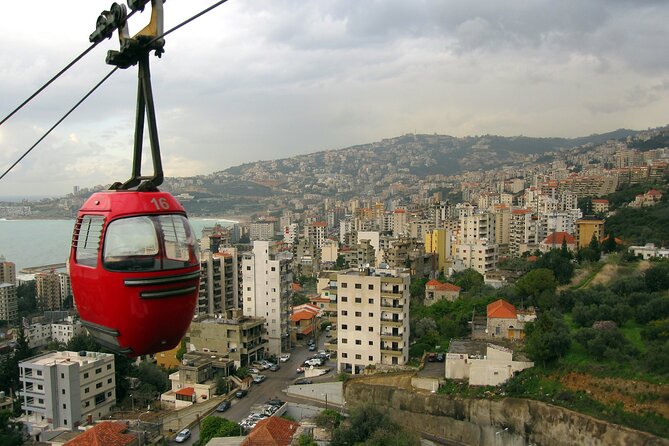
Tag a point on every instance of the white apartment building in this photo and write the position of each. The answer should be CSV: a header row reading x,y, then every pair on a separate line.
x,y
267,280
329,251
65,285
66,389
374,238
39,335
523,232
9,305
480,256
290,233
477,227
372,318
315,233
346,226
262,231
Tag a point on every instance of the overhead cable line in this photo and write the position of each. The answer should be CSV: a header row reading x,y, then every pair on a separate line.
x,y
56,76
185,22
59,121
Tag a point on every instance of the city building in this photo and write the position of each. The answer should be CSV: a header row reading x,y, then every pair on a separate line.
x,y
219,287
234,335
66,389
436,291
40,334
267,278
107,433
9,306
587,229
555,241
195,380
505,321
315,232
650,251
373,318
262,230
481,364
7,271
48,290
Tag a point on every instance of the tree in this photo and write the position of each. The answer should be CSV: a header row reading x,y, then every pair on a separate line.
x,y
536,282
329,419
361,424
299,299
306,440
417,287
657,277
547,339
10,431
556,261
222,386
217,427
150,373
341,262
468,280
425,326
81,342
609,244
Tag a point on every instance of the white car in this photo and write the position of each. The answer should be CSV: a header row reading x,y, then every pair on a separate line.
x,y
182,436
285,357
259,378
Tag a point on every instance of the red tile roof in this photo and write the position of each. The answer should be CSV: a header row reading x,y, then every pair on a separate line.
x,y
272,431
600,200
107,433
556,238
302,315
501,309
521,211
187,391
442,286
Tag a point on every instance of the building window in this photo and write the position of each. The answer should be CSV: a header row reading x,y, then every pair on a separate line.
x,y
358,300
344,341
100,398
344,313
371,342
358,356
371,301
65,421
371,358
344,285
109,381
63,391
344,326
371,329
86,390
358,328
358,314
274,268
344,355
108,366
98,371
371,314
358,286
62,375
98,385
344,299
64,406
358,342
39,373
85,375
40,401
370,286
88,403
248,268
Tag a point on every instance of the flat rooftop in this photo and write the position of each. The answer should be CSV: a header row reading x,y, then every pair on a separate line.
x,y
66,357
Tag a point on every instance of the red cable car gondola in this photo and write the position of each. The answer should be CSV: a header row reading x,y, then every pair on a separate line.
x,y
133,264
134,270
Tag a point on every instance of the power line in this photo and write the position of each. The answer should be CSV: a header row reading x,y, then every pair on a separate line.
x,y
59,121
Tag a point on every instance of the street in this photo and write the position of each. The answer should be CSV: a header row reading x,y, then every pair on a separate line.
x,y
271,388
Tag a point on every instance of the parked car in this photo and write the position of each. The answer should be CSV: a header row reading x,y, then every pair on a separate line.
x,y
259,378
241,393
441,357
431,357
300,370
274,367
285,357
225,405
304,381
312,347
182,436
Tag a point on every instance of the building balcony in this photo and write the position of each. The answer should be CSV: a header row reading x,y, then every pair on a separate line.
x,y
392,308
391,323
391,337
392,295
391,351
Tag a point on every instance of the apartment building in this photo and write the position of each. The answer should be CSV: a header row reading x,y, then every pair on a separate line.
x,y
65,285
239,337
48,290
587,229
219,287
9,306
66,389
267,279
7,271
373,318
480,256
315,233
291,233
439,241
40,334
523,232
262,230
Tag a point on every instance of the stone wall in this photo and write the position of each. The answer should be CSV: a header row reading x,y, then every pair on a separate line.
x,y
507,422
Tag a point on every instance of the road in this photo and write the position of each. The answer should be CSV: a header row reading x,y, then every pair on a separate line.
x,y
272,387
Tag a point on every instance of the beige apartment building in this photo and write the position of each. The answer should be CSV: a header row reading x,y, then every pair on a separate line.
x,y
7,271
373,318
48,290
9,306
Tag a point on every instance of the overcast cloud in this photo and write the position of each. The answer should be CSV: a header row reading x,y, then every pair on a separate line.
x,y
267,79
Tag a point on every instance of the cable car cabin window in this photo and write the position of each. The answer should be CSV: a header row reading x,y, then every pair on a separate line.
x,y
178,239
87,239
149,243
131,244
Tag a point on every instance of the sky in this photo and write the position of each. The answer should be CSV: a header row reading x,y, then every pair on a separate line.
x,y
268,79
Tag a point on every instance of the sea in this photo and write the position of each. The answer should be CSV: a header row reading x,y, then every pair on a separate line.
x,y
30,243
